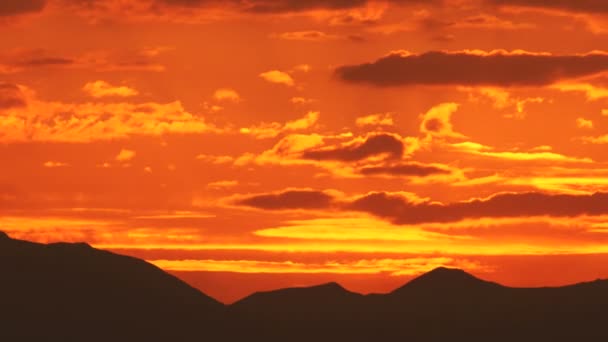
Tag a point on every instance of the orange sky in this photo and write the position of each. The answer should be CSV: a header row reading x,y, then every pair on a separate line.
x,y
251,145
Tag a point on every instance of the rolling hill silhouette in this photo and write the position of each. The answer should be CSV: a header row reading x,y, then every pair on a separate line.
x,y
73,292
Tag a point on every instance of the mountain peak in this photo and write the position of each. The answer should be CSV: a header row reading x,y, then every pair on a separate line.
x,y
4,236
447,276
446,279
331,286
71,245
443,271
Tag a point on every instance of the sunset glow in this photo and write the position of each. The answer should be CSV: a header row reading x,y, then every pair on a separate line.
x,y
275,143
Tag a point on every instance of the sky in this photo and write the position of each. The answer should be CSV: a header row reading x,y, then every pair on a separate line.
x,y
250,145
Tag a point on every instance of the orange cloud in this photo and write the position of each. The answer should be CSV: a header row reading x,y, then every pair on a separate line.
x,y
125,155
85,122
590,6
393,267
279,77
226,94
300,100
54,164
591,91
11,96
22,60
104,89
385,119
310,36
487,151
273,129
502,100
600,140
405,169
385,144
215,159
222,184
437,121
584,123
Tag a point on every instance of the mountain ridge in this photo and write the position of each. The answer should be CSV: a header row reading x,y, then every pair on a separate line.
x,y
67,291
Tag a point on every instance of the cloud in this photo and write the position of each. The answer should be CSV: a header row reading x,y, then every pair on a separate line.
x,y
300,100
593,92
226,94
18,7
474,68
405,169
289,199
100,89
436,122
19,60
283,6
125,155
374,145
589,6
273,129
308,36
54,164
279,77
584,123
533,155
502,100
271,6
286,151
392,267
224,184
86,122
212,159
11,96
601,140
385,119
401,210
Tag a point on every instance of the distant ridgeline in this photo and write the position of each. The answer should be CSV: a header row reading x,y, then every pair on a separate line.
x,y
73,292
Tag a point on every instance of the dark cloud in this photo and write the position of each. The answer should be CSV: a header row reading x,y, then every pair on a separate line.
x,y
289,199
11,96
20,59
372,146
462,68
590,6
406,169
286,6
299,5
400,210
46,61
270,6
17,7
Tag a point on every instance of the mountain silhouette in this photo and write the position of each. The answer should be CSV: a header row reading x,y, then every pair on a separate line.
x,y
331,295
73,292
445,279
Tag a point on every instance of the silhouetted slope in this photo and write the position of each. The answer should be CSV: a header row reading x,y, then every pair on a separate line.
x,y
445,280
298,300
442,305
73,292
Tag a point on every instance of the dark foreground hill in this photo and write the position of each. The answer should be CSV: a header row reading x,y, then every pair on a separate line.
x,y
72,292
